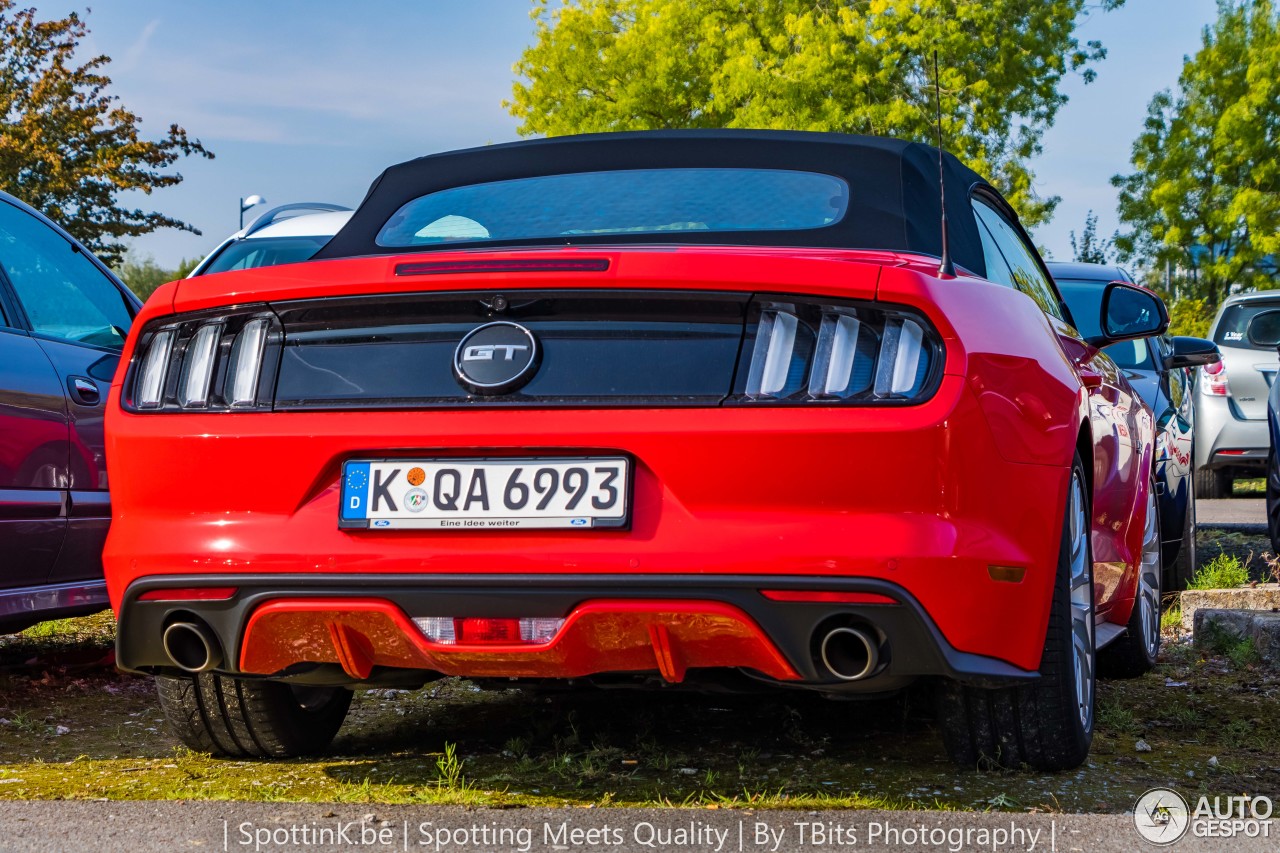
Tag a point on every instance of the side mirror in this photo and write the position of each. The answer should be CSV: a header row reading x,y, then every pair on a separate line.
x,y
1192,352
1264,329
1130,312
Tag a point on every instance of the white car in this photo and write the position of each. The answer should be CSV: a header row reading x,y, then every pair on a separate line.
x,y
287,234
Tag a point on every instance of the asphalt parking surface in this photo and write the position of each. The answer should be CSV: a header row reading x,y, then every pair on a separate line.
x,y
1245,515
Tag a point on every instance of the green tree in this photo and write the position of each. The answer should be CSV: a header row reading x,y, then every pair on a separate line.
x,y
857,66
144,275
1091,249
1204,198
67,146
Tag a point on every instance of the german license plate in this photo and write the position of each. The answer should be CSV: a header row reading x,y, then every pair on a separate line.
x,y
485,494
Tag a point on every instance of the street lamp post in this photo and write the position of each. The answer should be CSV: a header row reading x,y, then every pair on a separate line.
x,y
246,203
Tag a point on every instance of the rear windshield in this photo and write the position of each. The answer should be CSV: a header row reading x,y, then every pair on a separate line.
x,y
1084,298
1233,327
266,252
635,201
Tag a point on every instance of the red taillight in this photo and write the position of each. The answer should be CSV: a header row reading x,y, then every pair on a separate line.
x,y
826,596
199,593
1231,452
1215,379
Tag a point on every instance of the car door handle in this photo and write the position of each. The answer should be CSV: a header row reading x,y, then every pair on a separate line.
x,y
84,391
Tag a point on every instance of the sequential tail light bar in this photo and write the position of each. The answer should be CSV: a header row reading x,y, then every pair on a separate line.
x,y
809,351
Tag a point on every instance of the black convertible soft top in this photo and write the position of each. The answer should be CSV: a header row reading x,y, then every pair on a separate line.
x,y
893,185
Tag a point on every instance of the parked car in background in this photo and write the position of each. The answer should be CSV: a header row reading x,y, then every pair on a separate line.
x,y
64,318
1231,438
1162,371
283,235
641,409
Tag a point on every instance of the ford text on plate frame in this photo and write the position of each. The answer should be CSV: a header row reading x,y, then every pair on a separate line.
x,y
488,494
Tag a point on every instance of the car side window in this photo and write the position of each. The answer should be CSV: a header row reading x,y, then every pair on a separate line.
x,y
1026,272
997,270
62,292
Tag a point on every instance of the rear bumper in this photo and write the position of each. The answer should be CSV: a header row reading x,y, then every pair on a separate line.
x,y
359,629
1218,429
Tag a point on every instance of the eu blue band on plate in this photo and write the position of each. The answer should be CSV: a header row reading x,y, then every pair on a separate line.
x,y
355,490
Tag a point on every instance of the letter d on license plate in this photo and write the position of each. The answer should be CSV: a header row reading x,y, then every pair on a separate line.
x,y
486,494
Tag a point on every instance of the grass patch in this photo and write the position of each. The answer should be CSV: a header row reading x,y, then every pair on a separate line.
x,y
69,731
1222,572
1253,487
1171,617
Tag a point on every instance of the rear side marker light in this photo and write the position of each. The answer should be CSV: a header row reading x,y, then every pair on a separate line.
x,y
480,631
1007,574
200,593
826,597
512,265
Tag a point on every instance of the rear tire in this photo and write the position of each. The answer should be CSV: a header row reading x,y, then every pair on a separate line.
x,y
1048,724
238,718
1134,652
1213,483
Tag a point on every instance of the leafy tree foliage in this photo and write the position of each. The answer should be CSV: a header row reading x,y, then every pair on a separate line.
x,y
857,66
1091,249
1204,198
67,147
144,275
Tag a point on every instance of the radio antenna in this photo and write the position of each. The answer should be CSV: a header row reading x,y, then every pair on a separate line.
x,y
946,269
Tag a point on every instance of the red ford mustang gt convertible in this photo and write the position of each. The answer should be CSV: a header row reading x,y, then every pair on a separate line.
x,y
640,409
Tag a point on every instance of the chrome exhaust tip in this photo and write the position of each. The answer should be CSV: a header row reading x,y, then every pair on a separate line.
x,y
849,653
192,646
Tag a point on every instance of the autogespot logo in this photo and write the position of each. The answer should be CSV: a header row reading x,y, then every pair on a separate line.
x,y
1161,816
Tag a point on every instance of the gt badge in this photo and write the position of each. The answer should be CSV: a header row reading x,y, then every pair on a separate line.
x,y
496,358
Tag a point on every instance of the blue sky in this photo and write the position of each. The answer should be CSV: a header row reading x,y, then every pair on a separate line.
x,y
309,101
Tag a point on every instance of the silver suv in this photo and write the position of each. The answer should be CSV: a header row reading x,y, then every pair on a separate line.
x,y
1231,439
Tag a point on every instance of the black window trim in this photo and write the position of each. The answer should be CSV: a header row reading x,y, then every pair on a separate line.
x,y
1007,213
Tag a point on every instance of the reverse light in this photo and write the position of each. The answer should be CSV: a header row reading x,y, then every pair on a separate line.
x,y
451,631
1215,380
813,352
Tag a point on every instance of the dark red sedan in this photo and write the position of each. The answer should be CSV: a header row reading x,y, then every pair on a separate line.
x,y
680,407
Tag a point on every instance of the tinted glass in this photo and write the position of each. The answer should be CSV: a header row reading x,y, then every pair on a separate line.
x,y
1027,275
997,270
1084,299
633,201
62,292
266,252
1264,330
1233,328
